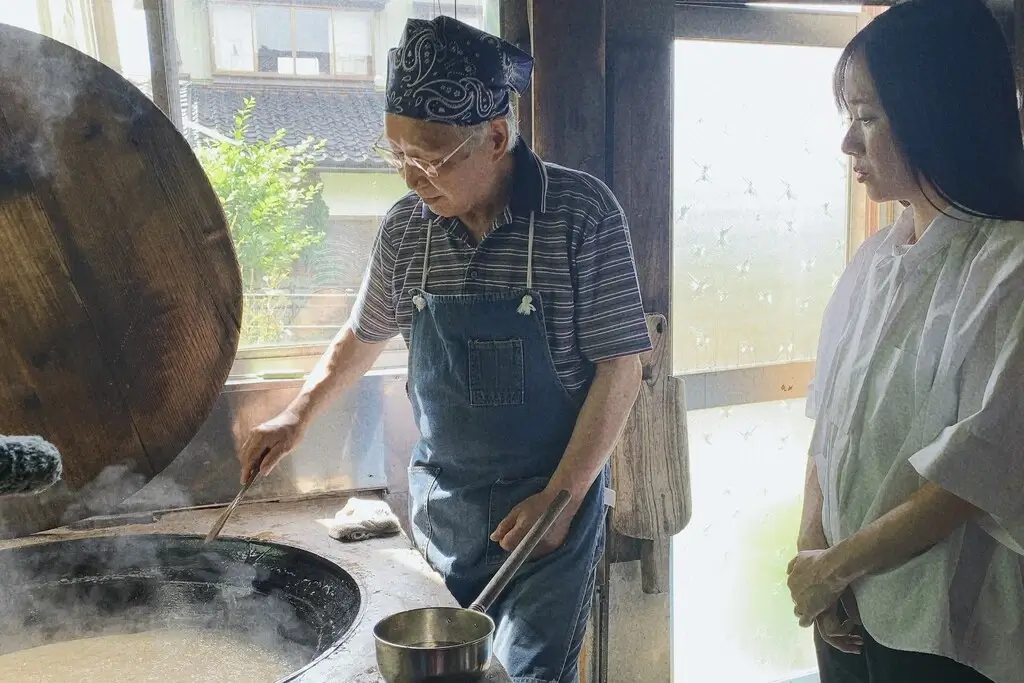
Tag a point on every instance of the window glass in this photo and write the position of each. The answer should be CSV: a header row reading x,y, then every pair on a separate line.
x,y
273,28
113,32
282,104
302,262
21,14
761,219
353,43
232,37
759,240
312,41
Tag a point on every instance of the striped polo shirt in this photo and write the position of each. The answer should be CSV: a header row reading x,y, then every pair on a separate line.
x,y
583,266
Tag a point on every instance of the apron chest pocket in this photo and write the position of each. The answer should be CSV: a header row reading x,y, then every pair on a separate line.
x,y
505,495
496,373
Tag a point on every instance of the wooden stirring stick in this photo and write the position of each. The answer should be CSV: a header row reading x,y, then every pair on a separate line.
x,y
222,520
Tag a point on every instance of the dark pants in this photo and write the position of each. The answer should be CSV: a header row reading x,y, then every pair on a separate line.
x,y
879,664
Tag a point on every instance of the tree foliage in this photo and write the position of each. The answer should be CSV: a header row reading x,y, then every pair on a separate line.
x,y
273,206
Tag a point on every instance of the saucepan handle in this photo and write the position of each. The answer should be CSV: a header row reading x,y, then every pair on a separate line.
x,y
521,552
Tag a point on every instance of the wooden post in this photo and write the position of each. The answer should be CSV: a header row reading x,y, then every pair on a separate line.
x,y
1018,50
569,83
640,94
163,58
640,41
639,72
515,28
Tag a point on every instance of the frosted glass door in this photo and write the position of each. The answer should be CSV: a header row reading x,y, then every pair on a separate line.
x,y
762,231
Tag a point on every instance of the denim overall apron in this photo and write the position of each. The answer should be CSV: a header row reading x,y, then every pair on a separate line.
x,y
494,421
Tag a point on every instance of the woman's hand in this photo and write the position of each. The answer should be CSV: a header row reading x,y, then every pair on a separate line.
x,y
813,584
837,632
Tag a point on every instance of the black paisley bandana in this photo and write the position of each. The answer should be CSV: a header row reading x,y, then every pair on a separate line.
x,y
449,72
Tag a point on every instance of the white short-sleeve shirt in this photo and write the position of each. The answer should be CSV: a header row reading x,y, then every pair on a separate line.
x,y
920,377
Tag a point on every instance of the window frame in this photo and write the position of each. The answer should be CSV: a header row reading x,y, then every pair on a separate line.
x,y
260,363
817,27
252,362
426,9
368,78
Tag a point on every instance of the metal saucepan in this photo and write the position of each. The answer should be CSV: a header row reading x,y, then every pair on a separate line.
x,y
452,644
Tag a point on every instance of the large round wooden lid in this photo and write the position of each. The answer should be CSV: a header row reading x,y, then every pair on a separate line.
x,y
120,293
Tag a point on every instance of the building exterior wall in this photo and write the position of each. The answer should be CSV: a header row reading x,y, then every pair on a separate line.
x,y
361,194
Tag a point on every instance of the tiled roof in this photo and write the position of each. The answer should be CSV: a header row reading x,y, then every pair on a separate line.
x,y
349,120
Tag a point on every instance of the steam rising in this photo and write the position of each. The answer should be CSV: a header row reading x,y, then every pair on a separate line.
x,y
64,590
107,490
110,585
275,598
42,78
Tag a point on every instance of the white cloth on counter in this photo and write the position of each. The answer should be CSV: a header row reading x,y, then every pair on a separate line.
x,y
362,519
920,377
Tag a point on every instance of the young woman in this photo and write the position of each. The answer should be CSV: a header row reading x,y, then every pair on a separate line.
x,y
911,548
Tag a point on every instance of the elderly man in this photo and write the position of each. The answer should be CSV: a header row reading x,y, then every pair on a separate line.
x,y
513,284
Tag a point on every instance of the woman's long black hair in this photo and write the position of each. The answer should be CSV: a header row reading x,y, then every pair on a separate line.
x,y
945,80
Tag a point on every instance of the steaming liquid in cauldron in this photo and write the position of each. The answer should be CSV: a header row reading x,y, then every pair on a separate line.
x,y
181,656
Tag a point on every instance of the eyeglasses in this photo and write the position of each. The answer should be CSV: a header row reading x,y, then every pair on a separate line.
x,y
399,160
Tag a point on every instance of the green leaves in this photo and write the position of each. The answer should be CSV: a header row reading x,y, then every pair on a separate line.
x,y
266,188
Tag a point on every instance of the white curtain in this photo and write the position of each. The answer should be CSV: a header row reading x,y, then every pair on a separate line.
x,y
71,22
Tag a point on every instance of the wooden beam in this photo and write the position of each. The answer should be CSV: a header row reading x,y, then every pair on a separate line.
x,y
639,122
515,28
863,3
1018,50
656,566
163,58
639,91
569,83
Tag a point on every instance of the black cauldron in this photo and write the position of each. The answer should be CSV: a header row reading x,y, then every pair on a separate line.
x,y
283,599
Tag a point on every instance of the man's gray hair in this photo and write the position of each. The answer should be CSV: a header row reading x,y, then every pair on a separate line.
x,y
478,133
